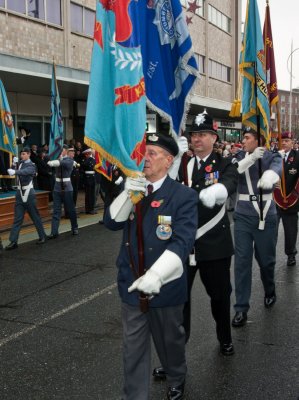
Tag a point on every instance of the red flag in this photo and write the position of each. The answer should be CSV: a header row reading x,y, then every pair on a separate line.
x,y
270,60
103,166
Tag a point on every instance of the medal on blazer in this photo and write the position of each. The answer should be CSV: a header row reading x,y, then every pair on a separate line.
x,y
164,230
211,178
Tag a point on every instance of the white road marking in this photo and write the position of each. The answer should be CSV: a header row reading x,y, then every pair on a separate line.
x,y
56,315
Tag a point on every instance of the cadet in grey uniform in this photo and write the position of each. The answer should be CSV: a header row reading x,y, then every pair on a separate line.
x,y
25,200
253,233
63,193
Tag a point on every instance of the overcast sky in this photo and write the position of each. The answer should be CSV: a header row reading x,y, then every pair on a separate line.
x,y
285,27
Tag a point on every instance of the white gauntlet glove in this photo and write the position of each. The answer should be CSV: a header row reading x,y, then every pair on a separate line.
x,y
268,180
54,163
214,194
11,172
250,159
15,160
119,180
122,205
183,148
282,153
167,268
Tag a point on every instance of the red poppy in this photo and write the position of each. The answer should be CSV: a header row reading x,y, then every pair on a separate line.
x,y
208,168
155,204
291,159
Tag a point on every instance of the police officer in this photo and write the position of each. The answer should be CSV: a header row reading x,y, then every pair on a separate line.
x,y
89,181
214,178
288,205
169,225
25,200
63,193
254,231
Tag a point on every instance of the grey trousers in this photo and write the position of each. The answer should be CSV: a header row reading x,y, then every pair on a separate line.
x,y
249,239
165,327
20,209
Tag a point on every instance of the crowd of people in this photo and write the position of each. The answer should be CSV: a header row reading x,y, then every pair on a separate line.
x,y
185,229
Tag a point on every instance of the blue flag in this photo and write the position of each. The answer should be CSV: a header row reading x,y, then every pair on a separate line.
x,y
170,68
142,53
252,66
56,132
116,106
7,132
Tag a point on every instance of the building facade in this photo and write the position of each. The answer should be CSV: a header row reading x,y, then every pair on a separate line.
x,y
289,111
36,32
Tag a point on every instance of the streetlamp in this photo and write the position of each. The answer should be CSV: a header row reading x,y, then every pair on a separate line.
x,y
291,84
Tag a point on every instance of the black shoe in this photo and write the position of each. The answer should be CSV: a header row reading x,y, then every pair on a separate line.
x,y
269,301
52,236
11,246
227,349
176,393
159,374
291,260
239,319
75,231
91,212
41,241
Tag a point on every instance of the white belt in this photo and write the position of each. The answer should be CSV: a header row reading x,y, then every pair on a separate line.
x,y
210,224
255,197
25,187
63,179
26,193
204,229
90,172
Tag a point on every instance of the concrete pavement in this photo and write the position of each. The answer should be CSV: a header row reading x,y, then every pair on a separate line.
x,y
60,328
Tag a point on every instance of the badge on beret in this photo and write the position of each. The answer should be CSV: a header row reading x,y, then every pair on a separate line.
x,y
153,138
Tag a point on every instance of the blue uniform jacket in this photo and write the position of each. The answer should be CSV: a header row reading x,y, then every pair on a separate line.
x,y
178,202
26,172
271,161
64,171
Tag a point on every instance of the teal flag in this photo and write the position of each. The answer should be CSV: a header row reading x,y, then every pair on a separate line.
x,y
116,106
56,132
252,67
7,132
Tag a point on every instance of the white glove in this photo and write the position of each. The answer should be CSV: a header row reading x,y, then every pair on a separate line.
x,y
23,138
183,148
183,145
250,159
258,153
15,160
167,268
214,194
282,153
268,180
135,184
119,180
54,163
122,204
11,172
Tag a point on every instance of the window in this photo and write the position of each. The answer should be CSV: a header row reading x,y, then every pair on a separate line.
x,y
54,11
36,9
219,71
17,5
45,10
82,19
283,110
200,62
283,97
219,19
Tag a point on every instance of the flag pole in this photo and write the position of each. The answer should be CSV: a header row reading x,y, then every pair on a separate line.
x,y
258,129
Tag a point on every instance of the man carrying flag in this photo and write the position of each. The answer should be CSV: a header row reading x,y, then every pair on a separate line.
x,y
259,171
123,70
